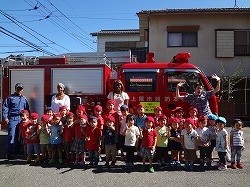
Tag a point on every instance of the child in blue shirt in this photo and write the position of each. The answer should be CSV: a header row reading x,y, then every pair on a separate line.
x,y
56,131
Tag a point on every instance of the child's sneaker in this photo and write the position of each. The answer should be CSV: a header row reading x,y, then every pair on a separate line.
x,y
82,162
151,169
172,163
52,161
60,161
186,166
76,162
37,160
178,164
143,168
240,165
131,164
112,164
28,159
107,164
233,165
191,167
222,167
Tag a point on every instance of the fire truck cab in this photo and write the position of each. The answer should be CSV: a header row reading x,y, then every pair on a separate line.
x,y
154,84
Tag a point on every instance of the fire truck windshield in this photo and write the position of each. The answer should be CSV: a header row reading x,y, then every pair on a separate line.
x,y
189,77
141,82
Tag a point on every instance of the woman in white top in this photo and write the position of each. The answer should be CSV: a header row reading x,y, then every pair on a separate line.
x,y
119,96
60,99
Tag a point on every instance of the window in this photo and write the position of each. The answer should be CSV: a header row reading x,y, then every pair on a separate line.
x,y
119,46
182,39
189,76
242,42
141,82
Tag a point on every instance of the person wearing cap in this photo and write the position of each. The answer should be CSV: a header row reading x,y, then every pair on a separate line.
x,y
204,142
60,99
118,95
200,98
174,142
193,113
157,113
98,114
163,134
108,140
111,112
189,138
222,143
148,135
93,140
63,112
11,115
78,146
44,137
211,124
56,131
178,113
123,125
22,129
32,138
68,137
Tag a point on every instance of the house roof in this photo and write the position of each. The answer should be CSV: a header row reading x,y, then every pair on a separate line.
x,y
196,10
116,32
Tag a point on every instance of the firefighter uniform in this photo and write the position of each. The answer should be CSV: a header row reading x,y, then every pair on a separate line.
x,y
11,111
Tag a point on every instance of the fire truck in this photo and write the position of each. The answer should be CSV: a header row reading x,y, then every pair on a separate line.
x,y
150,83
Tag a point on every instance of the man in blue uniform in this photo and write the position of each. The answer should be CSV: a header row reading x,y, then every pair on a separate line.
x,y
11,115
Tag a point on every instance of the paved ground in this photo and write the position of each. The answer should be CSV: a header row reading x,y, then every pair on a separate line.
x,y
18,173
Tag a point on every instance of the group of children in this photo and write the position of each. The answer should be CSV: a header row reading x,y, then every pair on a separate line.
x,y
151,137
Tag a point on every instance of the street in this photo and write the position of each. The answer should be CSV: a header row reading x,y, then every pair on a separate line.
x,y
18,173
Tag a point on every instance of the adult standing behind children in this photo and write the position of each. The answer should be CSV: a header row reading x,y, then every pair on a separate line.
x,y
11,115
119,96
60,99
199,99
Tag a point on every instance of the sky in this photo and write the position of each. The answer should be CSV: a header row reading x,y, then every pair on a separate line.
x,y
54,27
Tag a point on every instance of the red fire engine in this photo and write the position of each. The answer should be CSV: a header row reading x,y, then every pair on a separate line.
x,y
152,84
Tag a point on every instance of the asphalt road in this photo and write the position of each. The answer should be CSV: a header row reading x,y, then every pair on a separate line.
x,y
18,173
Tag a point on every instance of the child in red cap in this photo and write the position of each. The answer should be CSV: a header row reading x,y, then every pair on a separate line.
x,y
32,138
204,142
157,113
78,145
44,137
56,131
189,139
174,143
68,136
98,114
163,134
148,135
193,113
93,140
63,112
22,129
109,140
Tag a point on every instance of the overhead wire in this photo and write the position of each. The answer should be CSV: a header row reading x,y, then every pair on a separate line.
x,y
61,24
21,25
